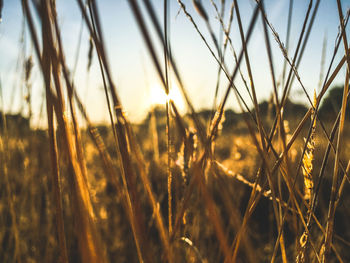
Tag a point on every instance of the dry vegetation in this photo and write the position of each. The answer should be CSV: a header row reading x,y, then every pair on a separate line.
x,y
268,184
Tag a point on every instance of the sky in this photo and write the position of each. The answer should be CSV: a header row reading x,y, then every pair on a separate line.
x,y
133,72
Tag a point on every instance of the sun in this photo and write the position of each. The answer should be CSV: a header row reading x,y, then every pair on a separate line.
x,y
157,96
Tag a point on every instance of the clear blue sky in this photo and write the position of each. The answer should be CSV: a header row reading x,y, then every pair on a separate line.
x,y
132,69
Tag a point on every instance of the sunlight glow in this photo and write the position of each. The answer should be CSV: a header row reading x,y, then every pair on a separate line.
x,y
157,96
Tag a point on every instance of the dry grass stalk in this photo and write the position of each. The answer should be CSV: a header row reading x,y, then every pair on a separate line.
x,y
328,82
151,197
53,146
198,169
246,56
265,167
307,169
243,180
213,214
308,158
229,40
89,243
293,68
201,11
220,109
331,209
221,50
295,71
258,120
173,64
220,61
168,127
232,210
128,175
122,131
289,23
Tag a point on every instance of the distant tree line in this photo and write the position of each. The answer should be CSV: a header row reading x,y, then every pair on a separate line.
x,y
331,105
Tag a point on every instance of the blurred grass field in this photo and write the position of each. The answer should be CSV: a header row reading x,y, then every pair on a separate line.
x,y
268,183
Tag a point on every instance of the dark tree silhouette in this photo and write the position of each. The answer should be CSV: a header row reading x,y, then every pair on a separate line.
x,y
332,103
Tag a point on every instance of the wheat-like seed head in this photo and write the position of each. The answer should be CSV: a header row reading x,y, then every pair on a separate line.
x,y
308,181
309,157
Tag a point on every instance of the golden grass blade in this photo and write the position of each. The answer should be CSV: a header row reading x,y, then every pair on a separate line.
x,y
221,50
56,185
89,243
211,208
144,204
324,253
220,109
296,54
53,147
132,199
289,23
307,169
100,146
167,109
151,196
146,36
307,35
243,180
232,209
262,152
76,129
222,65
173,64
325,87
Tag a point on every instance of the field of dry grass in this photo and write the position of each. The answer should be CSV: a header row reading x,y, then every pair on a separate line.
x,y
267,184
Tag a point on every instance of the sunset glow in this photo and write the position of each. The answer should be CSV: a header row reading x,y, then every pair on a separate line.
x,y
157,96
